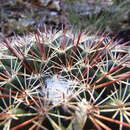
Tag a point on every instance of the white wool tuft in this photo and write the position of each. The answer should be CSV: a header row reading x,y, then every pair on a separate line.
x,y
58,89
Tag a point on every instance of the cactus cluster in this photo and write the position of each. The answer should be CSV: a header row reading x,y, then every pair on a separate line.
x,y
64,80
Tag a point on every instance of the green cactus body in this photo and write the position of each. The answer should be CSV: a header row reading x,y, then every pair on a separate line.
x,y
64,80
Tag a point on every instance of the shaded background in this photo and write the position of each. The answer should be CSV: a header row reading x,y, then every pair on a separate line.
x,y
21,16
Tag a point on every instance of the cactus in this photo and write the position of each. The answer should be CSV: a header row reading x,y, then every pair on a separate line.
x,y
64,80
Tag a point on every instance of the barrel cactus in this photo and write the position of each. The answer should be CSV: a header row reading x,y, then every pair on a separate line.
x,y
64,80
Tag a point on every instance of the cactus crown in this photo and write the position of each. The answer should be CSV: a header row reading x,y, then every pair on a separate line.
x,y
64,80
